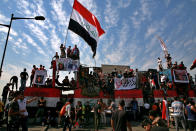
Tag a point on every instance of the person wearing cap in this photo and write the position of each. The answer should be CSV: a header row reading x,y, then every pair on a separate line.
x,y
119,120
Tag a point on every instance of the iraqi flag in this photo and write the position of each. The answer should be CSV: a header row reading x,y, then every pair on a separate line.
x,y
86,25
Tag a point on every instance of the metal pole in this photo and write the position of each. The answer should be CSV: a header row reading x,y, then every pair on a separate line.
x,y
6,44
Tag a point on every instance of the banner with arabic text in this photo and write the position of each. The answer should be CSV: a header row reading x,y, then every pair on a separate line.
x,y
125,83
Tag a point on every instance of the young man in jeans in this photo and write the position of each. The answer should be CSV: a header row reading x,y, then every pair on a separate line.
x,y
178,109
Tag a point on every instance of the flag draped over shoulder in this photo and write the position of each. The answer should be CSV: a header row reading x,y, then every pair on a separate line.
x,y
86,25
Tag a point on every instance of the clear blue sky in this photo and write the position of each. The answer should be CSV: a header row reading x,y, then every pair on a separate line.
x,y
131,27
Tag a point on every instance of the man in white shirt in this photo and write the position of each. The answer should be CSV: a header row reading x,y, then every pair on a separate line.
x,y
67,115
178,109
146,107
22,102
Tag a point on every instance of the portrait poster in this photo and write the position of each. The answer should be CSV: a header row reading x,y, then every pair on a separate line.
x,y
67,64
40,77
180,76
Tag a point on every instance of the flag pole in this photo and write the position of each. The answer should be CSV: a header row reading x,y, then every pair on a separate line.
x,y
68,24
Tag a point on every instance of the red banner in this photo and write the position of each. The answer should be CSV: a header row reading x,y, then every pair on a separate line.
x,y
118,94
42,92
191,93
160,93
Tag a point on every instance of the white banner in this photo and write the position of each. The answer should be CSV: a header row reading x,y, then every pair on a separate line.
x,y
40,76
180,76
67,64
125,83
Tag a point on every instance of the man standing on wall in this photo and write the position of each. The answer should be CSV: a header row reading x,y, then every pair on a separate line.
x,y
24,76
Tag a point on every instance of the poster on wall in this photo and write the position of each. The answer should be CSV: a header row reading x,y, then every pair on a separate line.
x,y
180,76
67,64
125,83
167,73
40,77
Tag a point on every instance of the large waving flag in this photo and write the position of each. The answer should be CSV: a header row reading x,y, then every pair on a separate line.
x,y
86,25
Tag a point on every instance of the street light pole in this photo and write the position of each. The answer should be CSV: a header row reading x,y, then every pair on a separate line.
x,y
9,27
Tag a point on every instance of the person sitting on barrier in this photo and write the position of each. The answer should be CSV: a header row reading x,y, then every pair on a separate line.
x,y
73,83
66,81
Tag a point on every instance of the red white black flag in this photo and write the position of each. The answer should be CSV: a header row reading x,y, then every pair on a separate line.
x,y
86,25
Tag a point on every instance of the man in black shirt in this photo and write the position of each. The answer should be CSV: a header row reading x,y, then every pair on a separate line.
x,y
41,109
5,92
24,76
14,81
97,114
119,121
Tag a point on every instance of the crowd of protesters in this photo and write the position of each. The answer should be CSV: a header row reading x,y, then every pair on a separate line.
x,y
155,115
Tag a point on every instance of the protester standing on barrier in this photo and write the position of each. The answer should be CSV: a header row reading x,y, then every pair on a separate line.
x,y
24,76
14,81
119,121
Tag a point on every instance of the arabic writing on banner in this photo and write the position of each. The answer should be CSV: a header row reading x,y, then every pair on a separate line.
x,y
67,64
180,76
40,76
125,83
